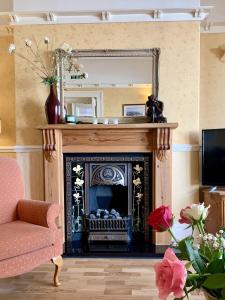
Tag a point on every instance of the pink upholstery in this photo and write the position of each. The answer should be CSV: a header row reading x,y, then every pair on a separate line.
x,y
25,263
11,189
28,233
28,238
39,213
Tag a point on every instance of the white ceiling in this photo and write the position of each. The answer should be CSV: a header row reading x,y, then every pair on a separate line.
x,y
93,5
19,12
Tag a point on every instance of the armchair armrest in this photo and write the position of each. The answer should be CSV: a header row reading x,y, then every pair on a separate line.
x,y
38,212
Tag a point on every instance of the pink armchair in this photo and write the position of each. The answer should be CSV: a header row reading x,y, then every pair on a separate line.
x,y
28,233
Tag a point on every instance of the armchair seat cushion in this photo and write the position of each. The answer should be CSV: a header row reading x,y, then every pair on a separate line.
x,y
18,237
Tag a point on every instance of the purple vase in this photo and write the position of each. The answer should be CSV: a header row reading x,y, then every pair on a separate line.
x,y
52,107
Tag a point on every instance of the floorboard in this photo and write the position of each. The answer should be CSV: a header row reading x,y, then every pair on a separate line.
x,y
87,279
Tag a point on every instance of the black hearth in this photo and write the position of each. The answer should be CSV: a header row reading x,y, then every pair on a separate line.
x,y
107,200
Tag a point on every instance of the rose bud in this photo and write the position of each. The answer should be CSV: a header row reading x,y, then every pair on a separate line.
x,y
161,219
195,212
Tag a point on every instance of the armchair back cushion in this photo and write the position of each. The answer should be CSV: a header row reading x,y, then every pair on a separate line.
x,y
11,189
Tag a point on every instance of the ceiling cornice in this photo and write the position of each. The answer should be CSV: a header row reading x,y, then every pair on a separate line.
x,y
213,27
23,12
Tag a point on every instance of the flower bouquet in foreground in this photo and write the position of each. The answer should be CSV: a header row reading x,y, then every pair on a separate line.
x,y
199,262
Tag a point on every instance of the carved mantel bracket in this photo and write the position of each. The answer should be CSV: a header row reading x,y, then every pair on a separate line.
x,y
49,144
163,143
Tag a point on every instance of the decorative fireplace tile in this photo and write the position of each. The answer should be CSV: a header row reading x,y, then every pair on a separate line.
x,y
78,198
138,198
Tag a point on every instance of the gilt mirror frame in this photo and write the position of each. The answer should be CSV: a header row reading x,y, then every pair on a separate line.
x,y
61,55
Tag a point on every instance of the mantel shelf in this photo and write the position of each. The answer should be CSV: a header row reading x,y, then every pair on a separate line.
x,y
133,137
108,126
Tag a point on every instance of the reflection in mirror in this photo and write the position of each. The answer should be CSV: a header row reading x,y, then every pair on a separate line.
x,y
112,80
83,103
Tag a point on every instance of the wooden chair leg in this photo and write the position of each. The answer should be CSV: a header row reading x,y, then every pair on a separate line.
x,y
58,262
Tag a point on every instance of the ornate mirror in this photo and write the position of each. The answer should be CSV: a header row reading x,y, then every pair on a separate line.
x,y
107,83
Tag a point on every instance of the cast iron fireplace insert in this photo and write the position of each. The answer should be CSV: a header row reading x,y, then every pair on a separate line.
x,y
107,201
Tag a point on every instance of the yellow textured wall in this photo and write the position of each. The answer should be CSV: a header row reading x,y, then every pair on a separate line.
x,y
31,165
185,179
7,91
212,101
179,69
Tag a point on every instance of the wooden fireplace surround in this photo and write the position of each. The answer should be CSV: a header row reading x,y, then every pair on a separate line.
x,y
122,138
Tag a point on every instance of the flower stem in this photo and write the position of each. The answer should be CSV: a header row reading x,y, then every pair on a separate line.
x,y
200,229
193,276
35,66
173,236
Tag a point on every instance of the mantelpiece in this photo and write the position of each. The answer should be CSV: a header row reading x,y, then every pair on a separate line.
x,y
153,138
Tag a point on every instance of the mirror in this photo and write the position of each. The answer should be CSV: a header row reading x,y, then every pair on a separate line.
x,y
107,84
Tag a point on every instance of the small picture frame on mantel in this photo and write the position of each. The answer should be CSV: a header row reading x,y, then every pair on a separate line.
x,y
134,110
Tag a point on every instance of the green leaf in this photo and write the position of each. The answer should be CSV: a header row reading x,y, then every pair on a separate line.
x,y
192,282
186,247
223,292
206,251
205,258
215,281
183,255
50,80
216,266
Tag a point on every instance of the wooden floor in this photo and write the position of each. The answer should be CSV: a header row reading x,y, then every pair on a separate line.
x,y
87,279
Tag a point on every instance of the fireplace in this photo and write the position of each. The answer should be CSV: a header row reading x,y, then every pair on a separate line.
x,y
107,201
80,143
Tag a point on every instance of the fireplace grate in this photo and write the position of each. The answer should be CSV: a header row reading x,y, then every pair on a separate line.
x,y
108,224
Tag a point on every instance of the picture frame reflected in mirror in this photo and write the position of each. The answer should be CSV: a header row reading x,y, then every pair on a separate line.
x,y
134,110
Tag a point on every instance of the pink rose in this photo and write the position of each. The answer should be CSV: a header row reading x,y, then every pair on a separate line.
x,y
184,219
161,218
171,275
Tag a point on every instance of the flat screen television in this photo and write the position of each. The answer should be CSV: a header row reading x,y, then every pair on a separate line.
x,y
213,157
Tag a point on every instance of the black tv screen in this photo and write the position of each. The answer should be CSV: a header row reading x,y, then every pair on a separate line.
x,y
213,157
